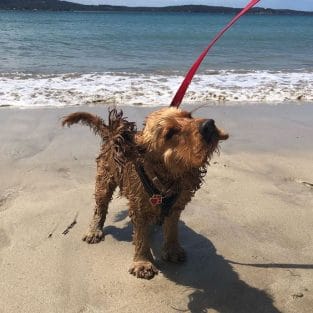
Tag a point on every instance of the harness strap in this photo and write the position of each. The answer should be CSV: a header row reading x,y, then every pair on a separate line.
x,y
165,202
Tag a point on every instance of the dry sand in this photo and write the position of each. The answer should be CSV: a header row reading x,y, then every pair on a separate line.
x,y
248,232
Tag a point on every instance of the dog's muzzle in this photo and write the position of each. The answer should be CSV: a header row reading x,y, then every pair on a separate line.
x,y
208,130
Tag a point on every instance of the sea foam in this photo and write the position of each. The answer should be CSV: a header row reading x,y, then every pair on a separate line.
x,y
212,87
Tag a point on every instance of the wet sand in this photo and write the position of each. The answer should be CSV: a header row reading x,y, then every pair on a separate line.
x,y
248,232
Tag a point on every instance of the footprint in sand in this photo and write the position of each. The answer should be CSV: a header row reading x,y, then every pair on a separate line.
x,y
5,199
288,184
305,183
4,239
64,172
4,242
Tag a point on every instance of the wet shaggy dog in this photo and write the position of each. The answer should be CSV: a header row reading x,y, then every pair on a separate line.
x,y
158,170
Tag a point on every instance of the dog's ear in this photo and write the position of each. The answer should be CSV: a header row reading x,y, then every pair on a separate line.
x,y
170,132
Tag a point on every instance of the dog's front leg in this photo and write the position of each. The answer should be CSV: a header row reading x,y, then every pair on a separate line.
x,y
142,266
172,251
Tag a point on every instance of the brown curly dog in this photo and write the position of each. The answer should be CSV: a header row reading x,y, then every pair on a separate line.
x,y
158,170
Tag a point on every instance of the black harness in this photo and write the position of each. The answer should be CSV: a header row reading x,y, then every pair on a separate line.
x,y
165,202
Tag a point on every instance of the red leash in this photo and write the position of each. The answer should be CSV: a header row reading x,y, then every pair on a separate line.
x,y
183,87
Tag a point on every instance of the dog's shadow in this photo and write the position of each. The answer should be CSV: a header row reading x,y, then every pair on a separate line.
x,y
213,282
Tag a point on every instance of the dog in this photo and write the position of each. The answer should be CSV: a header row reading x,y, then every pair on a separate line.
x,y
158,170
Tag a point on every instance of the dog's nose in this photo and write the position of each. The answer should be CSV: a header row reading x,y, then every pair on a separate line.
x,y
207,128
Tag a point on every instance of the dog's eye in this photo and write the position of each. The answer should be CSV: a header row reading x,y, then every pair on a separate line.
x,y
187,115
171,132
127,136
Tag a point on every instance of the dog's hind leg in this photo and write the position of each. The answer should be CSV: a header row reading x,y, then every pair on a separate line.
x,y
105,186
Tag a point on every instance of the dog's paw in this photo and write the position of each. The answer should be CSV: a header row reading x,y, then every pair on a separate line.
x,y
175,254
93,236
143,269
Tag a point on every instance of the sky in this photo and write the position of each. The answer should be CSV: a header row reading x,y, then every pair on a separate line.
x,y
306,5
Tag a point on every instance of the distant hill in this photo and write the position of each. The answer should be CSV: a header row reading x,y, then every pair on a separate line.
x,y
56,5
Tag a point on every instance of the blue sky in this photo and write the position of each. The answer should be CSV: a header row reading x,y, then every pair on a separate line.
x,y
275,4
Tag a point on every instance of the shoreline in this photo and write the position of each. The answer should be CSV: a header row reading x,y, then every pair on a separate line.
x,y
247,233
217,104
67,6
215,87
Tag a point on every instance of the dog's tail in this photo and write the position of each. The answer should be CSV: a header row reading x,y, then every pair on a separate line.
x,y
95,122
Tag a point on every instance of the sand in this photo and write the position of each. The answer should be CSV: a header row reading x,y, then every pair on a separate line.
x,y
248,232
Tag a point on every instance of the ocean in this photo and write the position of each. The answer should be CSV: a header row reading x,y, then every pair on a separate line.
x,y
88,58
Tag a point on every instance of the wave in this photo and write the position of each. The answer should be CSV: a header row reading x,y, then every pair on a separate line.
x,y
211,87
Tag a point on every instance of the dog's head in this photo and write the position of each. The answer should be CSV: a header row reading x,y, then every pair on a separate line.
x,y
183,142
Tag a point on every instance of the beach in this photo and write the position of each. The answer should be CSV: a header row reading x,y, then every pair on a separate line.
x,y
247,233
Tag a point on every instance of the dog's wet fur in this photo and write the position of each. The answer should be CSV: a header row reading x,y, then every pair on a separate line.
x,y
174,149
